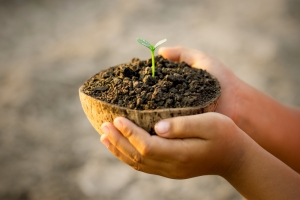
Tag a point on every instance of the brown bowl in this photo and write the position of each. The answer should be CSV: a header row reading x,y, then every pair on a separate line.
x,y
99,112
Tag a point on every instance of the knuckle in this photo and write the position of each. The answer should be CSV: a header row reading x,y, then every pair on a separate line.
x,y
116,153
127,132
137,158
223,123
186,125
146,149
219,125
136,167
117,141
137,161
214,120
180,125
180,47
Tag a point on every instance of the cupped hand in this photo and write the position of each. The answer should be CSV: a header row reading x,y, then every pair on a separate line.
x,y
185,147
229,82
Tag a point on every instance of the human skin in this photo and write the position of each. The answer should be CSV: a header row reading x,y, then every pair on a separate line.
x,y
204,144
272,125
215,144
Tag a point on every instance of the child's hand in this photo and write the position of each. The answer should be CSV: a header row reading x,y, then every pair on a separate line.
x,y
189,146
212,143
229,82
203,144
271,124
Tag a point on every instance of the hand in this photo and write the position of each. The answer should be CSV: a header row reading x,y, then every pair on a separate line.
x,y
185,147
229,82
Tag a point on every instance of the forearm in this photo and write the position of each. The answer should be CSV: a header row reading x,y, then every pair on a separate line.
x,y
274,126
260,175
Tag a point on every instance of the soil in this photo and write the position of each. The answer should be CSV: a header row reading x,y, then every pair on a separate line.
x,y
175,85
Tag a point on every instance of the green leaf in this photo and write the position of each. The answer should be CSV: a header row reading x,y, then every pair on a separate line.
x,y
144,42
160,42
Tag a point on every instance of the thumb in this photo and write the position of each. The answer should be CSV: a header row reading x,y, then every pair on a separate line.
x,y
181,54
193,126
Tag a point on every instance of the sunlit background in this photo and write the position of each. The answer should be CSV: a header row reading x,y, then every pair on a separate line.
x,y
48,48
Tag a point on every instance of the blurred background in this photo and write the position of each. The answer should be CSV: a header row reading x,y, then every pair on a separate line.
x,y
48,48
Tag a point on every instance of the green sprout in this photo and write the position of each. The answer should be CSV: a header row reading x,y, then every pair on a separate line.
x,y
152,49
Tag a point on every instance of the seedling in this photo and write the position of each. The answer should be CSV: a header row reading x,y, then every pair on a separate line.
x,y
152,49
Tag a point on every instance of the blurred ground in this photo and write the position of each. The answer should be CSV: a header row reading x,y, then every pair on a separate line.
x,y
48,48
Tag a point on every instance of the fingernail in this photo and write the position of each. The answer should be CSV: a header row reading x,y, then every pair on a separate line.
x,y
118,124
105,130
162,127
105,141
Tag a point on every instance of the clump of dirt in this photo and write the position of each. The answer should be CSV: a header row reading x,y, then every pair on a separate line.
x,y
131,85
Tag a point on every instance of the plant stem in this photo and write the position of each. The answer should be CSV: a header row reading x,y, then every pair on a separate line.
x,y
153,63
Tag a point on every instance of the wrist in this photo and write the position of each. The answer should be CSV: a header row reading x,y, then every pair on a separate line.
x,y
241,101
248,107
232,92
239,148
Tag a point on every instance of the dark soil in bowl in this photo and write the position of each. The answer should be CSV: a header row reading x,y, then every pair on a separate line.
x,y
175,85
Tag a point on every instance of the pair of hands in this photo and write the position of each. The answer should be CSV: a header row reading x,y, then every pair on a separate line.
x,y
185,146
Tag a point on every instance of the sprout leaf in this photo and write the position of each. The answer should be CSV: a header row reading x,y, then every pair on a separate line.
x,y
144,42
160,42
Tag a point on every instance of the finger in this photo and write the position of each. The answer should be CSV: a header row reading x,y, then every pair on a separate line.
x,y
182,54
155,167
116,151
201,126
151,147
134,134
151,166
138,153
113,137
